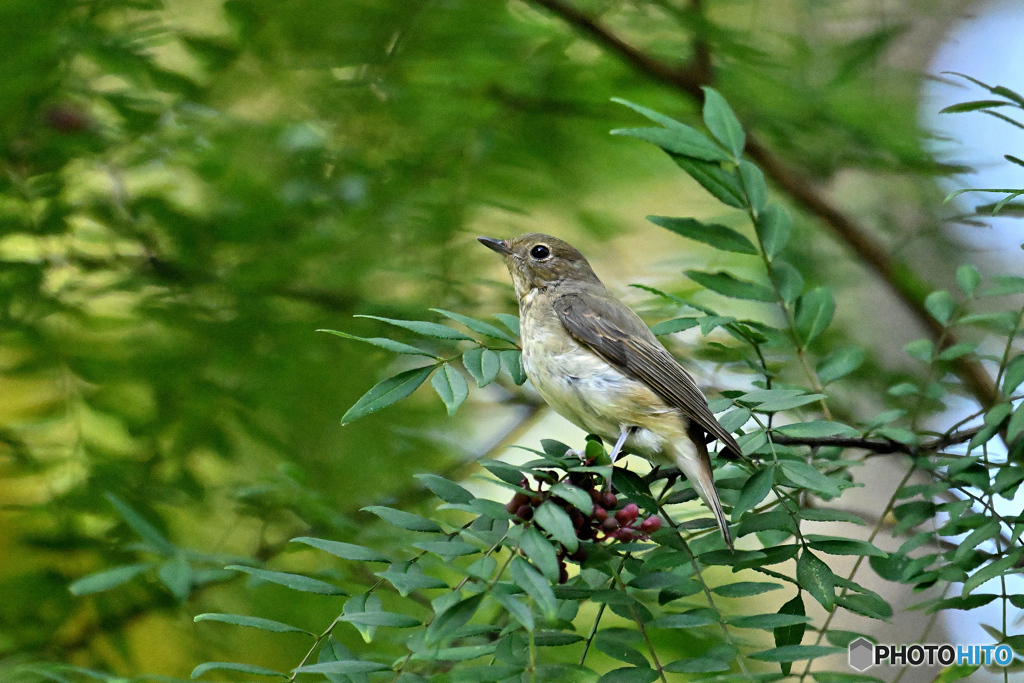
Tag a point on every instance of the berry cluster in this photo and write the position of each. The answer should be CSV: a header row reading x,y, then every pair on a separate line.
x,y
603,523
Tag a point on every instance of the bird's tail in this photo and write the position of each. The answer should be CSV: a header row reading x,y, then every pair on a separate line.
x,y
694,462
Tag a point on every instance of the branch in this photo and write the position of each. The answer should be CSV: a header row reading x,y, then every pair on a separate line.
x,y
899,278
880,446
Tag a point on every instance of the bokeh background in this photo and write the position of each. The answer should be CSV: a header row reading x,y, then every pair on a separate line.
x,y
189,189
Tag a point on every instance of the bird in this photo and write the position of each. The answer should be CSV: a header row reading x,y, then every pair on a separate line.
x,y
596,363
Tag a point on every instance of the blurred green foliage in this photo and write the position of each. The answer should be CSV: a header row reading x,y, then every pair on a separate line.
x,y
190,188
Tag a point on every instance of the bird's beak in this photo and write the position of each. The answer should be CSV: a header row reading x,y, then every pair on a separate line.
x,y
500,246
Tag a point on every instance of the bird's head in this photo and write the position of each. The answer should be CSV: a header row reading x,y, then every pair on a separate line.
x,y
537,260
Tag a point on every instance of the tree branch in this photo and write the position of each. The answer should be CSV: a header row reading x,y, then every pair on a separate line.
x,y
898,277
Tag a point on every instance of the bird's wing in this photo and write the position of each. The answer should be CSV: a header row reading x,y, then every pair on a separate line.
x,y
604,326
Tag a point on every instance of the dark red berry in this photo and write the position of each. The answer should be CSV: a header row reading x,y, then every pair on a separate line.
x,y
597,497
579,556
609,525
585,534
563,574
610,501
525,513
624,535
600,514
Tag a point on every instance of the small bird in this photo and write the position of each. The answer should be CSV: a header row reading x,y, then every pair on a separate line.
x,y
597,364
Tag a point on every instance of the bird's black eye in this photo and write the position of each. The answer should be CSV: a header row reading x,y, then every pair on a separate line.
x,y
540,252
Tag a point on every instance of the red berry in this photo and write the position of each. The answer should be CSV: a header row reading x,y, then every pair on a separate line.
x,y
650,525
600,514
525,513
596,496
628,514
563,574
610,501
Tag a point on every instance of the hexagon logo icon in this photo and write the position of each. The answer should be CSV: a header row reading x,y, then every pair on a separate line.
x,y
862,654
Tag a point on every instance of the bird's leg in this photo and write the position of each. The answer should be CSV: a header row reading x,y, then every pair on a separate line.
x,y
615,452
618,444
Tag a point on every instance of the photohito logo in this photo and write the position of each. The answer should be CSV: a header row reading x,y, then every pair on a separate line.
x,y
864,654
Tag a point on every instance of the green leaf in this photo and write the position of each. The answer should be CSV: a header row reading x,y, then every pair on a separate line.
x,y
408,578
176,575
235,666
511,322
619,644
968,277
294,581
722,122
814,311
346,551
448,549
556,522
447,623
512,359
478,326
843,546
769,622
635,488
754,186
1013,375
921,349
1004,285
381,342
673,326
629,674
678,139
540,551
451,386
780,399
744,589
426,329
575,496
386,392
403,519
701,616
957,350
107,579
715,660
141,526
788,280
840,363
754,491
806,476
956,672
973,106
483,364
940,304
990,571
773,226
727,285
514,606
444,489
790,635
535,585
717,236
816,578
817,429
346,667
252,622
722,185
1016,426
792,653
